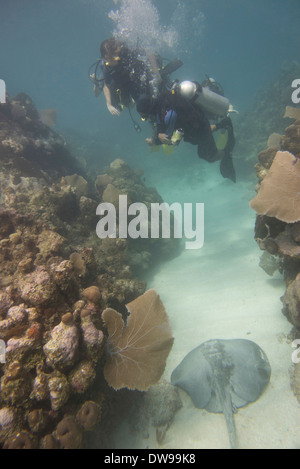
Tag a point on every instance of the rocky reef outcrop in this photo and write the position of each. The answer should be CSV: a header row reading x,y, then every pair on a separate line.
x,y
56,278
277,227
28,147
264,117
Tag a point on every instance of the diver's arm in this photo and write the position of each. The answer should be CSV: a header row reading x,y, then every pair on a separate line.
x,y
163,138
163,131
114,111
154,140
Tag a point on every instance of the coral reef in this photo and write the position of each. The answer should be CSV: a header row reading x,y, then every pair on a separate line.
x,y
56,279
277,227
166,398
264,117
89,415
28,146
278,194
294,372
69,433
157,408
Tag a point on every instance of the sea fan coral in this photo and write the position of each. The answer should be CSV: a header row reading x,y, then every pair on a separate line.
x,y
137,353
279,194
292,112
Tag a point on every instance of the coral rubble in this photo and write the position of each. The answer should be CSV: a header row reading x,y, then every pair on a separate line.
x,y
157,408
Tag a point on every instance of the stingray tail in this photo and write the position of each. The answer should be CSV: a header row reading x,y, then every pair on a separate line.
x,y
228,412
225,399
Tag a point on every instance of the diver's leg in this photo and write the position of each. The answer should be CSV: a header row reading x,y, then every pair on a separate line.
x,y
209,154
227,124
226,166
207,148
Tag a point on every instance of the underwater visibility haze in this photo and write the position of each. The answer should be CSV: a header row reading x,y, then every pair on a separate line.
x,y
120,329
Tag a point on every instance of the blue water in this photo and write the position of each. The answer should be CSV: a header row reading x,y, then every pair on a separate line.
x,y
46,49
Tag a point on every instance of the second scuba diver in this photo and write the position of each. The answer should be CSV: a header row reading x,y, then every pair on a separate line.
x,y
173,117
174,111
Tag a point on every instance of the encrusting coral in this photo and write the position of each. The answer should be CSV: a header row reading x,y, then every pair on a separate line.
x,y
89,415
61,349
69,433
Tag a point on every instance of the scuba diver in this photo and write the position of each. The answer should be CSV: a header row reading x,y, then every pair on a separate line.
x,y
175,110
126,75
183,112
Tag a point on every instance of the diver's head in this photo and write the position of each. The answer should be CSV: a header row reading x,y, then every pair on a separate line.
x,y
110,51
146,106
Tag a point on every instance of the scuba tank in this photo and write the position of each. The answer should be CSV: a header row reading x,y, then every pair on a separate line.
x,y
203,97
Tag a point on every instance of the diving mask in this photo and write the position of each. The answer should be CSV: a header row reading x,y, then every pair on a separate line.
x,y
112,61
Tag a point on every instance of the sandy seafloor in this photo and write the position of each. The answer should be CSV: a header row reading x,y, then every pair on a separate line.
x,y
220,291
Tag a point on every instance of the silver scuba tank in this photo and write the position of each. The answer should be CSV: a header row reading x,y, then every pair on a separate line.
x,y
203,97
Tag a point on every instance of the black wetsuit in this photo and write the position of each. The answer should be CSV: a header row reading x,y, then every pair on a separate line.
x,y
130,78
191,120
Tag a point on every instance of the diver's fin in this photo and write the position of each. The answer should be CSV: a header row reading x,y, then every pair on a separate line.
x,y
226,167
222,139
154,148
230,139
168,149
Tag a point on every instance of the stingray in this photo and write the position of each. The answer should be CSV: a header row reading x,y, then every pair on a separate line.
x,y
223,375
